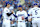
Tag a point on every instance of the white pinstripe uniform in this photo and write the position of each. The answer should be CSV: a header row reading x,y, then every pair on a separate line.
x,y
6,19
20,14
35,16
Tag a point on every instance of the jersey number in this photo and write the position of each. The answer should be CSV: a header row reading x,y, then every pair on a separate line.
x,y
36,12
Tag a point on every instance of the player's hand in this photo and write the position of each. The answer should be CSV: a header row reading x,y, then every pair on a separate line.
x,y
12,11
29,20
17,21
22,18
11,22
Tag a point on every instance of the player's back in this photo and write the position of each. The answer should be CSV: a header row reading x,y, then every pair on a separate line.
x,y
35,12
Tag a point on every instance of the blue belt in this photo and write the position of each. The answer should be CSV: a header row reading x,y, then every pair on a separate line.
x,y
9,19
35,17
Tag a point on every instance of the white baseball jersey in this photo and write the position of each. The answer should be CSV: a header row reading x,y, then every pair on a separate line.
x,y
35,12
6,10
20,14
6,19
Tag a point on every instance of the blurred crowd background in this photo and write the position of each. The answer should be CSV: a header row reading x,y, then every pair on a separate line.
x,y
27,4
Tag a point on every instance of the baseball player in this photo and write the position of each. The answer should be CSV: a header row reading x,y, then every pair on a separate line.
x,y
35,15
6,16
21,16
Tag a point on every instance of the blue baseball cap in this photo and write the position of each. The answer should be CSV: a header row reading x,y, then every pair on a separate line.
x,y
35,4
8,3
20,5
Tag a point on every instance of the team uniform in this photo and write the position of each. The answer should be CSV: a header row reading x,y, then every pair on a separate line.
x,y
35,16
6,17
21,23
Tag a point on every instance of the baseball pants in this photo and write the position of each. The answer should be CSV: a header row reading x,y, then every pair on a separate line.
x,y
36,22
21,24
6,23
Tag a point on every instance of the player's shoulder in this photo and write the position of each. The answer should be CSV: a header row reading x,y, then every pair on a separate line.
x,y
30,9
17,11
5,8
24,11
